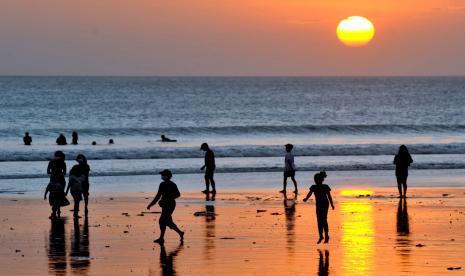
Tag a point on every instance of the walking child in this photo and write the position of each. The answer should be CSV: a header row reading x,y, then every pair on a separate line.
x,y
289,168
55,198
322,201
166,195
75,182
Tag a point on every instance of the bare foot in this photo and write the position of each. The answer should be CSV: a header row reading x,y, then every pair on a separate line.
x,y
283,191
159,240
319,240
181,236
327,239
296,192
205,191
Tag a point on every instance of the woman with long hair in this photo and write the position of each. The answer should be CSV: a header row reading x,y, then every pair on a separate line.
x,y
402,160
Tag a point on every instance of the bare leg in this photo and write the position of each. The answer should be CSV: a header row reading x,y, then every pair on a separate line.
x,y
284,185
161,239
207,184
212,182
180,233
76,208
399,186
86,202
405,187
295,184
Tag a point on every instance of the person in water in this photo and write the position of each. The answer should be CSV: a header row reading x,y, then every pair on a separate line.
x,y
166,195
289,168
61,140
209,167
402,160
55,191
75,183
322,201
85,169
27,139
166,139
57,169
74,138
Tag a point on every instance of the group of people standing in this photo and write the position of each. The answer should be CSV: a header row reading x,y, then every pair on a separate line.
x,y
78,184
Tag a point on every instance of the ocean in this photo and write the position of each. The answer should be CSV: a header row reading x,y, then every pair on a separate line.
x,y
336,124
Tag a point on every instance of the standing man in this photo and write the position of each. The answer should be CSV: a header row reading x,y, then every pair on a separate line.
x,y
209,168
289,168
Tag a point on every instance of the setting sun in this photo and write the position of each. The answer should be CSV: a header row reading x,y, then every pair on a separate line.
x,y
355,31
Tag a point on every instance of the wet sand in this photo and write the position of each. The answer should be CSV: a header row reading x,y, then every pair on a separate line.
x,y
370,235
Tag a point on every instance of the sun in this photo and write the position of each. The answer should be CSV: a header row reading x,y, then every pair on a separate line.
x,y
355,31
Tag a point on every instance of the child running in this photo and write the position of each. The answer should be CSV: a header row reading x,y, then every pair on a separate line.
x,y
322,200
167,193
75,182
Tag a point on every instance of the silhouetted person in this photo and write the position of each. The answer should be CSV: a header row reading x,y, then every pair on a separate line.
x,y
289,168
209,168
111,142
166,139
55,198
402,160
323,265
61,140
94,143
80,255
74,138
167,260
27,139
57,169
322,201
76,179
85,169
57,248
167,193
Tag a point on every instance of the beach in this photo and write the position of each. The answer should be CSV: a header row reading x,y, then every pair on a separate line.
x,y
249,233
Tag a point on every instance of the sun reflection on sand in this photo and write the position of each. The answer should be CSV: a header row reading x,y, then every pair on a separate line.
x,y
357,237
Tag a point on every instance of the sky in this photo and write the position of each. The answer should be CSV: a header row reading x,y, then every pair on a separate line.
x,y
229,37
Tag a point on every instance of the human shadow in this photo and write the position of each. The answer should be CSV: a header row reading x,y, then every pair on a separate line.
x,y
210,218
323,264
289,211
403,242
80,254
167,260
57,247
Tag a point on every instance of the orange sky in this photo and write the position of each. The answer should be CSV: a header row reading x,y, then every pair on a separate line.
x,y
225,37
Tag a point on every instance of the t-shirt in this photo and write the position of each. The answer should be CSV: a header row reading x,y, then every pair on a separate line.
x,y
75,183
402,163
321,192
210,160
289,162
168,191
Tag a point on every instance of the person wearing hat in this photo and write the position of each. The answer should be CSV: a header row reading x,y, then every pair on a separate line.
x,y
85,169
209,168
289,168
166,195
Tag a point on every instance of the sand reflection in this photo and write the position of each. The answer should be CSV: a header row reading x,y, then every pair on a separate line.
x,y
403,243
289,211
357,237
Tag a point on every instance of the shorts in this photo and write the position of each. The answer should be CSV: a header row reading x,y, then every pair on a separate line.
x,y
209,173
289,173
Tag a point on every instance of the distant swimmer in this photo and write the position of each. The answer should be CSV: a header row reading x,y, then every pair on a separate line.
x,y
94,143
111,142
209,168
75,138
289,168
27,139
402,160
61,140
166,198
166,139
322,201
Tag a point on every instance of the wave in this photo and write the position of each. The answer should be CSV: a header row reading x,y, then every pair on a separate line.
x,y
335,167
252,129
23,154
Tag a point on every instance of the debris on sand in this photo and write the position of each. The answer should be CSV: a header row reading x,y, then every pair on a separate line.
x,y
454,268
111,198
445,194
152,212
125,214
420,245
275,214
227,238
203,214
260,211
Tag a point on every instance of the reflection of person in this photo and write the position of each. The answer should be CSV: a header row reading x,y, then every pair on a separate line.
x,y
80,256
322,200
57,248
76,179
166,139
209,168
57,169
323,265
167,260
402,218
61,140
85,169
402,160
289,168
167,193
74,138
27,139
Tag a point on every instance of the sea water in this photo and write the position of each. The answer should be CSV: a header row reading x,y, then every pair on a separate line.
x,y
336,124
